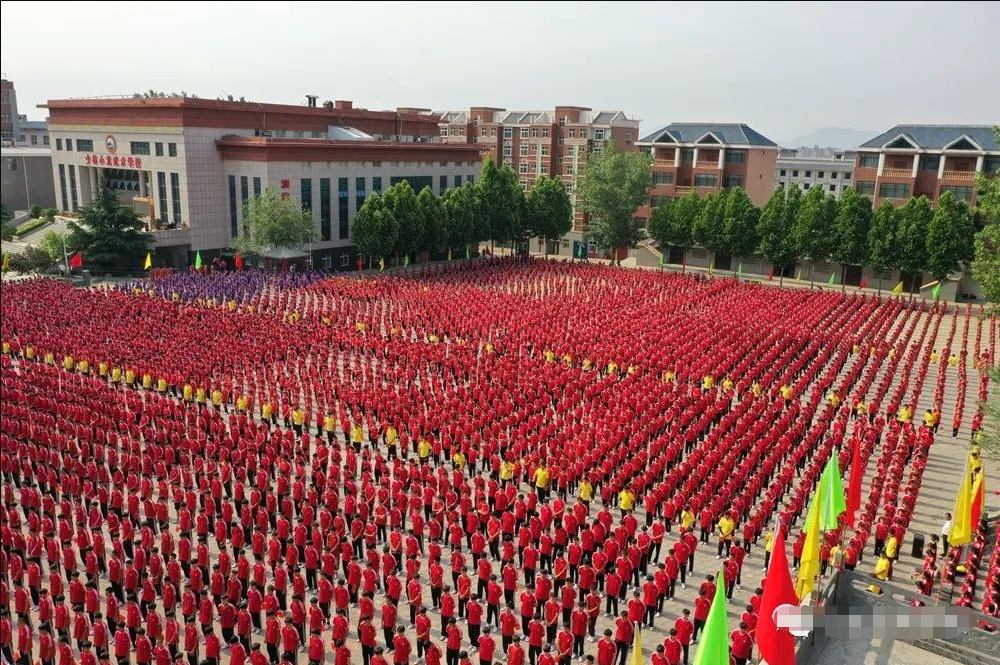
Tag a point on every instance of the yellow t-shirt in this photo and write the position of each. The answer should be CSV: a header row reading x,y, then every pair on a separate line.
x,y
727,384
542,477
786,392
161,385
668,376
904,415
391,436
424,450
83,366
188,392
612,367
216,397
329,424
891,547
726,526
199,395
586,490
626,499
769,542
707,383
356,434
129,376
687,519
550,357
459,459
116,374
241,403
757,390
266,410
506,468
298,417
30,352
147,381
102,369
934,356
68,362
882,568
929,419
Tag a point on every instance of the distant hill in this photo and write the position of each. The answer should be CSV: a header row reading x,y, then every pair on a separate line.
x,y
831,137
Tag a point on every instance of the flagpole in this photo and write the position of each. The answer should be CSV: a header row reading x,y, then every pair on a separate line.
x,y
65,257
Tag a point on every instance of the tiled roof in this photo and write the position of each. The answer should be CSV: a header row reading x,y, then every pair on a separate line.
x,y
728,133
936,137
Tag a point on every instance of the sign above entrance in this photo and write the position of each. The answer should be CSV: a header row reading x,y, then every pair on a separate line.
x,y
114,160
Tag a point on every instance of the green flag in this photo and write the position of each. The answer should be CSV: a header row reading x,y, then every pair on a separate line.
x,y
661,259
197,261
713,645
739,270
833,279
936,291
467,251
830,502
406,260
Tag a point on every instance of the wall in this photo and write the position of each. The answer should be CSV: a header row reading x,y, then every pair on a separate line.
x,y
37,171
760,170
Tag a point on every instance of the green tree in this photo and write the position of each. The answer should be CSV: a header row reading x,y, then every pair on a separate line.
x,y
740,226
673,221
432,210
270,222
613,186
949,237
32,259
709,226
6,216
52,242
460,216
374,229
813,231
499,199
549,210
853,220
402,201
774,229
883,253
36,211
911,235
986,264
110,235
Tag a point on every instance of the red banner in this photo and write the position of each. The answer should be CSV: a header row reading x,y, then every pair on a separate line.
x,y
114,160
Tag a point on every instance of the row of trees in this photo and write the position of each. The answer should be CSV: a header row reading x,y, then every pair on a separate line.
x,y
401,223
793,226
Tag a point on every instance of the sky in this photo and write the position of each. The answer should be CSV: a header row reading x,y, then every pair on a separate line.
x,y
786,69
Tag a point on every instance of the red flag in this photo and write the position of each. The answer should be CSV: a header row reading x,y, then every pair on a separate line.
x,y
777,646
684,263
864,283
239,261
361,264
770,274
76,261
854,484
978,496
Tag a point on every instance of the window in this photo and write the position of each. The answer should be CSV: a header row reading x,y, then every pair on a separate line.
x,y
171,150
706,180
819,174
545,133
834,175
345,260
805,186
256,186
961,193
327,262
137,147
562,122
482,131
59,147
847,175
561,141
244,189
324,208
161,188
508,132
572,133
534,132
233,219
782,173
469,178
72,187
306,193
34,139
458,181
545,151
869,160
738,157
45,139
69,144
833,188
795,173
598,134
663,178
83,145
809,174
442,183
522,167
342,195
62,186
157,149
444,131
175,188
524,184
892,190
508,150
359,193
991,164
544,168
524,132
734,181
866,187
687,154
377,184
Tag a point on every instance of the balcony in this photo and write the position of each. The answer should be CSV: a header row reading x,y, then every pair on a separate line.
x,y
897,173
172,237
663,163
713,164
959,176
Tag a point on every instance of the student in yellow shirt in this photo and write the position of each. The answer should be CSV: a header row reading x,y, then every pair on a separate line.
x,y
626,500
687,518
298,418
161,385
904,415
727,384
952,360
458,459
726,526
757,389
147,381
116,375
668,376
330,427
357,434
188,392
550,356
424,450
102,369
199,395
541,478
130,377
883,568
267,413
860,408
707,383
768,548
787,393
216,398
934,357
68,363
585,491
833,398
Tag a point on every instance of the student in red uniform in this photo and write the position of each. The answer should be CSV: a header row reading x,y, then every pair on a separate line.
x,y
702,605
515,652
487,646
741,645
685,631
401,647
672,648
289,641
317,649
607,651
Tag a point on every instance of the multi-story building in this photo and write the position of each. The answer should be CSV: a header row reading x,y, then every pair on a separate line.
x,y
708,157
27,177
9,120
188,165
34,133
833,172
928,160
533,143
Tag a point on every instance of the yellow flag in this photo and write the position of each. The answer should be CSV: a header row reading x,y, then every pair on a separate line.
x,y
637,648
149,261
897,290
381,264
810,564
449,253
6,263
961,525
798,276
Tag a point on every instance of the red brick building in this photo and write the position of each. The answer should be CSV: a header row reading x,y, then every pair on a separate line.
x,y
555,142
708,157
925,160
8,111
